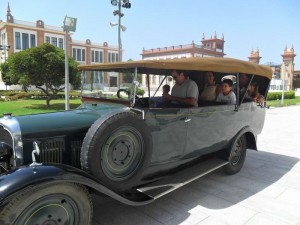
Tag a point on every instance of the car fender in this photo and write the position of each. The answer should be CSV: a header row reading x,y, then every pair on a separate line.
x,y
250,137
15,181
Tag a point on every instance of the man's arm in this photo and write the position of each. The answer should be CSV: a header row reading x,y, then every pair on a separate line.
x,y
188,101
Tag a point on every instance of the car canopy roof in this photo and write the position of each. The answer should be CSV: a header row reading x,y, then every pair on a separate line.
x,y
225,65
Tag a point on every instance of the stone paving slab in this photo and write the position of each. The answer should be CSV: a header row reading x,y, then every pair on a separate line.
x,y
266,191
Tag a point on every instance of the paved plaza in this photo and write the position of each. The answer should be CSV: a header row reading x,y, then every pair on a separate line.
x,y
266,191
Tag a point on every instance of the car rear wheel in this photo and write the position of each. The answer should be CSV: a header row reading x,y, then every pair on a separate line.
x,y
67,203
117,150
237,156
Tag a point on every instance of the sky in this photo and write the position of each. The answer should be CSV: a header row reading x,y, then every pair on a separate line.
x,y
267,25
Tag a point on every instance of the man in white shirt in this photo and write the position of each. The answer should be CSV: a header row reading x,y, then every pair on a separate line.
x,y
184,92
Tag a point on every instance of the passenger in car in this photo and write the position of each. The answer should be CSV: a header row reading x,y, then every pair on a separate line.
x,y
210,89
227,95
160,102
166,88
185,91
243,82
253,93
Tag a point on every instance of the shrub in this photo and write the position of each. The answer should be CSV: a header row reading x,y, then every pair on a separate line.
x,y
278,95
140,92
14,95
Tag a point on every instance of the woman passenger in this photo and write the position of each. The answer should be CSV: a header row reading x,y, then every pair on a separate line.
x,y
253,94
210,89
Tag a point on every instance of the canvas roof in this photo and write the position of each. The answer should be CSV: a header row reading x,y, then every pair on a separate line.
x,y
226,65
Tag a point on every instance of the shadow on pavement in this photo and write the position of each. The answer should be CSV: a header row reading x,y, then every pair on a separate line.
x,y
214,191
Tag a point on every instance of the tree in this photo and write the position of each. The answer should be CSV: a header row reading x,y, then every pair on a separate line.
x,y
42,67
4,71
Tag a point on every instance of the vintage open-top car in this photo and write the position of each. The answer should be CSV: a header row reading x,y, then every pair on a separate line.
x,y
125,145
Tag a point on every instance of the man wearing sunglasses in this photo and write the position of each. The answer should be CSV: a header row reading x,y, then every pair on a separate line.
x,y
185,91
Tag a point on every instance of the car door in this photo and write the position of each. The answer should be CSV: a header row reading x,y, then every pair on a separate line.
x,y
169,131
210,129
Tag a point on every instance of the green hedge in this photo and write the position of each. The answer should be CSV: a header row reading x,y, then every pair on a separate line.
x,y
278,95
14,95
139,91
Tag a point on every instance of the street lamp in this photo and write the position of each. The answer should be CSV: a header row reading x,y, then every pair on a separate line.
x,y
284,71
118,12
69,25
4,48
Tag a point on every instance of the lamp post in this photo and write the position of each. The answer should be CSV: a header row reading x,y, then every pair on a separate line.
x,y
4,48
284,71
69,25
118,12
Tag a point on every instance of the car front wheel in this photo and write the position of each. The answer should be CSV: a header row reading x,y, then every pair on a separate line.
x,y
68,204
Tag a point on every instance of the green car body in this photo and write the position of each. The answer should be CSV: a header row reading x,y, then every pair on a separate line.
x,y
121,146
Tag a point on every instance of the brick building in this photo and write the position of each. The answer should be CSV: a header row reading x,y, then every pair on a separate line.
x,y
209,47
17,35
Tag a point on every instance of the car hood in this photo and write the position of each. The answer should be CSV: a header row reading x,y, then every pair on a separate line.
x,y
64,122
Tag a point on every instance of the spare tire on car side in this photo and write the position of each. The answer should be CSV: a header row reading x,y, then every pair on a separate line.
x,y
117,150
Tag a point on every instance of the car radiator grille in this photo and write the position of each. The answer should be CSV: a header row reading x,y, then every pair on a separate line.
x,y
76,148
52,151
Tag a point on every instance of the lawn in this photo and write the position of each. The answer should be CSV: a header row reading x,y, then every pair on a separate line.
x,y
286,102
34,106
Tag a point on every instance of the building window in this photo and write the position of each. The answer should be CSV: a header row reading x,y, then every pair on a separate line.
x,y
54,41
101,57
47,39
96,56
25,41
113,57
109,57
74,53
32,40
3,38
78,54
93,57
83,55
18,40
61,43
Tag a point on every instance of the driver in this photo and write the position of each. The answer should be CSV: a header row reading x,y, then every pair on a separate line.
x,y
184,92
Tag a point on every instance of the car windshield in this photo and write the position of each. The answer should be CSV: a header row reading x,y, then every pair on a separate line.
x,y
106,84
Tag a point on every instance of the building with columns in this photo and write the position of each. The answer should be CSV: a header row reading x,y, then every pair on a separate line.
x,y
209,47
288,60
284,71
17,35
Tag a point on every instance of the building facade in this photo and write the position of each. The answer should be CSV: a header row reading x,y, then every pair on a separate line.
x,y
17,35
284,74
211,47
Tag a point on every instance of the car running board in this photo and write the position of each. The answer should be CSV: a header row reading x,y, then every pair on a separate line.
x,y
164,186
